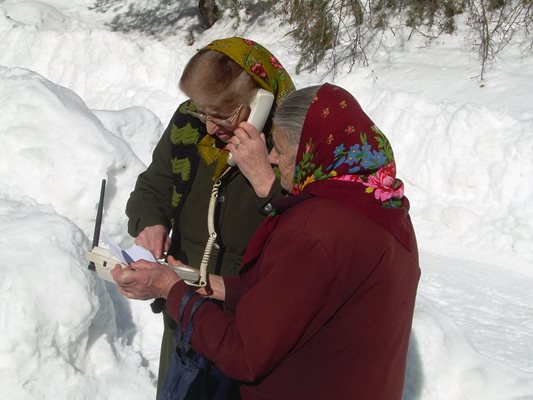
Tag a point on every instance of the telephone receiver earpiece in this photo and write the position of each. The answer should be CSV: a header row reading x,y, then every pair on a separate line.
x,y
260,107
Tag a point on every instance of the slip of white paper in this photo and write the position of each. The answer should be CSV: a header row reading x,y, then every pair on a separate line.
x,y
188,274
133,253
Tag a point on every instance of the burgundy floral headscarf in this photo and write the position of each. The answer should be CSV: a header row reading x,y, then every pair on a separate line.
x,y
340,142
344,156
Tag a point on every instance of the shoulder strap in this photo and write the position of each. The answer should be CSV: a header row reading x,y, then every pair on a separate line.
x,y
183,337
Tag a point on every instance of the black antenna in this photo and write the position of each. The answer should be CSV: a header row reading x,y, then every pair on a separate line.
x,y
98,222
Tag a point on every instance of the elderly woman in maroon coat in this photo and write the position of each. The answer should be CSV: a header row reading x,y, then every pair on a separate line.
x,y
324,303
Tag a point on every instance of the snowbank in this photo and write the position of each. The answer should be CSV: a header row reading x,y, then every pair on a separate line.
x,y
63,335
81,103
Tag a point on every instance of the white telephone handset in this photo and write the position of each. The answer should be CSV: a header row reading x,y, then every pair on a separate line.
x,y
259,111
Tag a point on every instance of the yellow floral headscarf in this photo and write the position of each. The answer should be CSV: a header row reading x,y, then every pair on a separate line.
x,y
263,67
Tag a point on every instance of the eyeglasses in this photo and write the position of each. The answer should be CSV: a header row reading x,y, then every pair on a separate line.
x,y
227,123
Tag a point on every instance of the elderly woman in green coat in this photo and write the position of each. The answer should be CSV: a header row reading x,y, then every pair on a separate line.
x,y
168,209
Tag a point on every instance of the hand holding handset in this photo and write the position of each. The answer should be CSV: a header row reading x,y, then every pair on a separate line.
x,y
259,111
103,261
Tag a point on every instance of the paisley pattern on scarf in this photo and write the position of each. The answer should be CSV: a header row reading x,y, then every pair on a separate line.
x,y
340,142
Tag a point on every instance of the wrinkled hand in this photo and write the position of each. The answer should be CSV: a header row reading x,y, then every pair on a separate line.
x,y
144,280
155,239
249,150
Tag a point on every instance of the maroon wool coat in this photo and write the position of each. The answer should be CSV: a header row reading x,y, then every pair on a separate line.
x,y
325,313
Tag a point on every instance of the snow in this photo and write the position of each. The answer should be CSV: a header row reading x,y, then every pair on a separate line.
x,y
81,102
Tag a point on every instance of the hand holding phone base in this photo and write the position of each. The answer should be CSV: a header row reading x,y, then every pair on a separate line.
x,y
103,261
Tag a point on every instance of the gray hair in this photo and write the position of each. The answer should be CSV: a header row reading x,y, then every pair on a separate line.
x,y
290,115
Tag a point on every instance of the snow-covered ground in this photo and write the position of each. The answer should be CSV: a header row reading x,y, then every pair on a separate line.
x,y
80,102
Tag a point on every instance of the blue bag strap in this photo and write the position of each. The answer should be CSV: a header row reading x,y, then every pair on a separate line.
x,y
188,330
184,300
182,340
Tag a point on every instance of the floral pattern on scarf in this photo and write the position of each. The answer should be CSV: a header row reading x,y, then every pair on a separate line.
x,y
261,65
264,68
340,142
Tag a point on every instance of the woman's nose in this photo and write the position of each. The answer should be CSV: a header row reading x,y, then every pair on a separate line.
x,y
211,127
273,157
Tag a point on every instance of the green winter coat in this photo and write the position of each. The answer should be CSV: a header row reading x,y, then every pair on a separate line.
x,y
175,189
238,210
